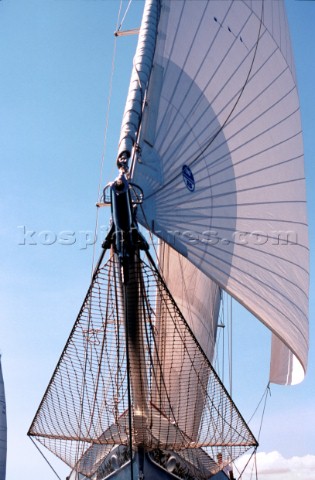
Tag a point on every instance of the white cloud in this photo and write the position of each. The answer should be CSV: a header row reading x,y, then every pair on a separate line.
x,y
273,466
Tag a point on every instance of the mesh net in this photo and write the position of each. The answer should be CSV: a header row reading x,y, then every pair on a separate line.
x,y
178,402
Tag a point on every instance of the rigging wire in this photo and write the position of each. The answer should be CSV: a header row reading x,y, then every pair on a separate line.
x,y
264,408
264,396
45,458
85,368
247,463
223,341
124,16
255,461
212,139
152,238
127,327
223,345
111,81
230,343
118,28
263,399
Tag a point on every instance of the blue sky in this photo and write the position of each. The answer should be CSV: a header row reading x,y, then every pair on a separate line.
x,y
56,58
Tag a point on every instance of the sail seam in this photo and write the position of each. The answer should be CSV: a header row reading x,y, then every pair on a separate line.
x,y
200,155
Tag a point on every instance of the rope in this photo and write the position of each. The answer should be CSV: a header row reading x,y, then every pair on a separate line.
x,y
255,461
147,226
219,336
82,395
224,307
263,396
230,345
83,389
124,16
246,464
263,413
45,458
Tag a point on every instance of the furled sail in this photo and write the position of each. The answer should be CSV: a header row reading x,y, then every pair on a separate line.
x,y
220,160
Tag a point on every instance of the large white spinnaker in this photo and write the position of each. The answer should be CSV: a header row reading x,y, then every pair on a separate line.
x,y
3,428
221,160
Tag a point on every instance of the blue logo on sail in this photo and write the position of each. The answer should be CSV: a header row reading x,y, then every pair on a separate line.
x,y
188,178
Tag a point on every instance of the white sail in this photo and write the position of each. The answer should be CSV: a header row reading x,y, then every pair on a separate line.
x,y
198,299
3,428
196,295
221,160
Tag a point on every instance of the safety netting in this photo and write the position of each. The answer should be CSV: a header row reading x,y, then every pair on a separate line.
x,y
133,374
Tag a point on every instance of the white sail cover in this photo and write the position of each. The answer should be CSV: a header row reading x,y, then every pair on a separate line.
x,y
3,428
221,160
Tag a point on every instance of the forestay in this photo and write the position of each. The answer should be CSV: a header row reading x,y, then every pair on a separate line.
x,y
221,160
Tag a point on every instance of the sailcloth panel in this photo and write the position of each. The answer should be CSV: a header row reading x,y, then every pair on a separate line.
x,y
196,295
221,160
